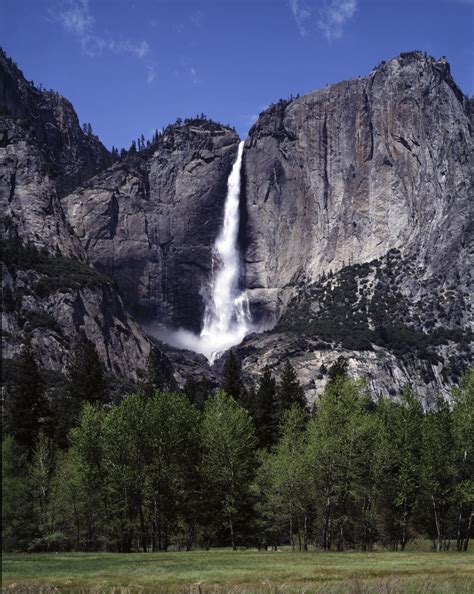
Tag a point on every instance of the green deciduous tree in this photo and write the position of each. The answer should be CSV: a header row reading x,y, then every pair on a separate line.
x,y
438,472
41,472
228,464
290,488
172,461
337,441
403,421
85,463
463,430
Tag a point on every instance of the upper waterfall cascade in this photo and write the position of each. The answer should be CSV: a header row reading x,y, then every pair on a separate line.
x,y
227,315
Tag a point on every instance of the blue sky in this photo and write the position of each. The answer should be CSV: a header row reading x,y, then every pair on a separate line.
x,y
130,66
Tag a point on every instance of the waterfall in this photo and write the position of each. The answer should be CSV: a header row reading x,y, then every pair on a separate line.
x,y
226,315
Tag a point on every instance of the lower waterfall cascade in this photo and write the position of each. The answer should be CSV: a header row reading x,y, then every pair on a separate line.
x,y
227,317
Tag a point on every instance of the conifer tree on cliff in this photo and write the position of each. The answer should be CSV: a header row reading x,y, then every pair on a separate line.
x,y
153,376
289,391
231,381
85,375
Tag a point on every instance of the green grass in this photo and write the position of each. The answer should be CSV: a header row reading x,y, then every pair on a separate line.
x,y
240,572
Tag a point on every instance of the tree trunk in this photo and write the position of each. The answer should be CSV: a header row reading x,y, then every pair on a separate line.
x,y
232,535
292,542
327,526
436,519
404,525
305,534
468,532
142,529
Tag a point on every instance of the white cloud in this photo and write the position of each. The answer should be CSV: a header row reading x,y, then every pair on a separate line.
x,y
301,14
330,16
194,76
76,18
333,15
151,73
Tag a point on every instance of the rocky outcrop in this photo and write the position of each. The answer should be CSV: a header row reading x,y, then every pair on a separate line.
x,y
385,373
358,208
150,220
71,156
51,294
28,195
53,319
346,173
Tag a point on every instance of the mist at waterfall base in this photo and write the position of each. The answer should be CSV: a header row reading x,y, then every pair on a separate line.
x,y
227,317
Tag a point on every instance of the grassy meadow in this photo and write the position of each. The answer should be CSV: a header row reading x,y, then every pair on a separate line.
x,y
239,572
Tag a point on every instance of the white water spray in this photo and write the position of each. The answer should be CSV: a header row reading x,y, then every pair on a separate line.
x,y
227,315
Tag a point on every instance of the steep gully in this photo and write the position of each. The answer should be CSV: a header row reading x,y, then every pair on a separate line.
x,y
227,318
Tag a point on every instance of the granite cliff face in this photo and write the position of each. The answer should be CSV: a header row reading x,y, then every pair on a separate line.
x,y
72,156
51,294
346,173
356,231
150,220
358,238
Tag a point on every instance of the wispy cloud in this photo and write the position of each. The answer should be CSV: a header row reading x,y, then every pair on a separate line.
x,y
187,71
151,74
330,16
334,15
194,76
301,14
76,18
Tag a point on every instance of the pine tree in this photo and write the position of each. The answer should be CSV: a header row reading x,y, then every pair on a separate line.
x,y
338,369
266,420
231,380
198,391
289,391
19,521
26,405
153,376
85,375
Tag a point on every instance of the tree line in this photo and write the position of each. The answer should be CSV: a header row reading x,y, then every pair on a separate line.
x,y
233,466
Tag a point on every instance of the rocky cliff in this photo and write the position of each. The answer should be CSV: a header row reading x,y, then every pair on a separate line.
x,y
346,173
356,230
150,220
51,294
358,238
71,155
